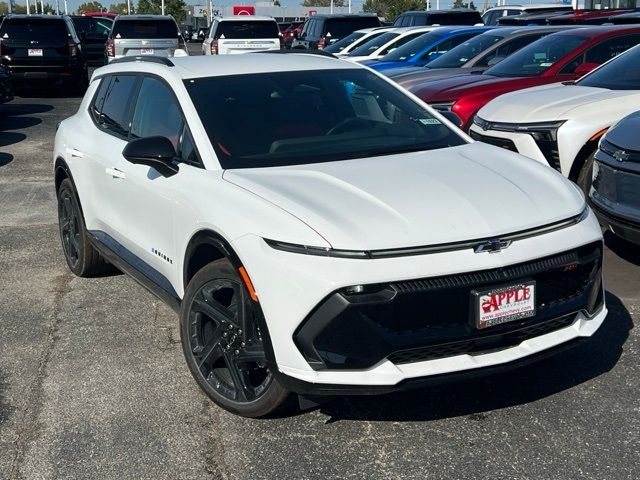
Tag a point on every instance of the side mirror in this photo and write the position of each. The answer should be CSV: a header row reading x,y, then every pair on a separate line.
x,y
495,61
452,117
154,152
584,68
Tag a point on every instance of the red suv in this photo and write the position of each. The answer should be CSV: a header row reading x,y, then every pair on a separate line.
x,y
562,56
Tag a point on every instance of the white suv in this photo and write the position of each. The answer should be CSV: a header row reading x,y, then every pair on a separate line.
x,y
362,245
561,124
242,34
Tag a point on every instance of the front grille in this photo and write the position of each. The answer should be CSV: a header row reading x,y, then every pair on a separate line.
x,y
614,150
481,346
433,315
498,142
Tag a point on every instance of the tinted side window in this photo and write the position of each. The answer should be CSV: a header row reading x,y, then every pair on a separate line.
x,y
603,51
447,45
508,48
96,106
116,108
157,113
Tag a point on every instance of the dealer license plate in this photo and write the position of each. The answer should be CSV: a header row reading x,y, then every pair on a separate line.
x,y
504,304
34,52
146,51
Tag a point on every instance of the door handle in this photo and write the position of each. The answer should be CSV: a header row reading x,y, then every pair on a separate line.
x,y
75,153
115,173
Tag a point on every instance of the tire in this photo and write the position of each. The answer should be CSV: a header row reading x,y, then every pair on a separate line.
x,y
81,256
585,177
223,346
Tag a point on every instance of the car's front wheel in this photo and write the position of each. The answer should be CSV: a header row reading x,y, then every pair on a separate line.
x,y
223,343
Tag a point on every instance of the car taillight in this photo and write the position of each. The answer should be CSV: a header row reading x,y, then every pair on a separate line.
x,y
214,47
111,48
73,50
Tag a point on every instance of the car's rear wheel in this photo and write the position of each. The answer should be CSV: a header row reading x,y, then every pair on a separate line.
x,y
81,256
223,343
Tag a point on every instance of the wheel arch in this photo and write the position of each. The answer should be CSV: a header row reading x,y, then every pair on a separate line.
x,y
204,247
61,171
584,153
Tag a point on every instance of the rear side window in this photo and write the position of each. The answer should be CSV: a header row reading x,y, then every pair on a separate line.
x,y
508,48
603,51
98,101
116,106
247,29
145,29
33,29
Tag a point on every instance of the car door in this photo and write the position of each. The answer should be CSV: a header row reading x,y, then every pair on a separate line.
x,y
146,199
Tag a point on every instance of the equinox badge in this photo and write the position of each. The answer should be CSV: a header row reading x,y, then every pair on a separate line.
x,y
492,246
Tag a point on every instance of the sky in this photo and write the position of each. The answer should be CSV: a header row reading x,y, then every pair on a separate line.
x,y
72,4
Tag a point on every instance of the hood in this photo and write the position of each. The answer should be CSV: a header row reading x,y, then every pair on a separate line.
x,y
625,133
468,192
416,76
453,87
546,103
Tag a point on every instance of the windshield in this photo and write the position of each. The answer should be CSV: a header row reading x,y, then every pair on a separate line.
x,y
346,41
145,29
337,28
340,114
370,46
411,48
537,57
248,29
92,25
622,73
464,52
36,30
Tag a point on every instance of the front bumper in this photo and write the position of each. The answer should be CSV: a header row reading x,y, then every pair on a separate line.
x,y
291,286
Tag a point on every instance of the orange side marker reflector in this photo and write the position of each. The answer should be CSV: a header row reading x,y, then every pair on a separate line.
x,y
599,134
248,284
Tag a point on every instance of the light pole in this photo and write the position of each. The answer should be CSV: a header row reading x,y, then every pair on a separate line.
x,y
28,8
162,7
128,7
66,11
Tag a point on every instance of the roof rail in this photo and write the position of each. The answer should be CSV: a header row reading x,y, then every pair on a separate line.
x,y
320,53
144,58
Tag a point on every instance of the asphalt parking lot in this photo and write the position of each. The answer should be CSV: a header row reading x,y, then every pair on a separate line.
x,y
93,383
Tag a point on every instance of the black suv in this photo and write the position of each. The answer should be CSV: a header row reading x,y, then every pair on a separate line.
x,y
456,16
93,32
320,31
43,47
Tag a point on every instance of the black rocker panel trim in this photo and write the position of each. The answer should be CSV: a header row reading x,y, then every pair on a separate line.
x,y
135,267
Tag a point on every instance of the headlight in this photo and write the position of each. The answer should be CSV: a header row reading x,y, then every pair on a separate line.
x,y
318,251
539,131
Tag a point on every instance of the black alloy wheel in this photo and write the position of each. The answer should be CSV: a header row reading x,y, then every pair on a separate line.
x,y
81,256
69,222
223,343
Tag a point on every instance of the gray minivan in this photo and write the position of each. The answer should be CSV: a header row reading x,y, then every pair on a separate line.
x,y
133,35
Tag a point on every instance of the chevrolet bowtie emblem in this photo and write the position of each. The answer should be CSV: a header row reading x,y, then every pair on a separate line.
x,y
621,155
492,246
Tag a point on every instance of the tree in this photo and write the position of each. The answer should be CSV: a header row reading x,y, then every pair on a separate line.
x,y
90,7
323,3
390,9
175,8
461,4
121,8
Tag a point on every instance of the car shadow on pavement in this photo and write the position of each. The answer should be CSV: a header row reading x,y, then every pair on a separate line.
x,y
14,109
474,398
626,250
9,138
5,158
18,122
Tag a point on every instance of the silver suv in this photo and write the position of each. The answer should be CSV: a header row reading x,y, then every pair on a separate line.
x,y
134,35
